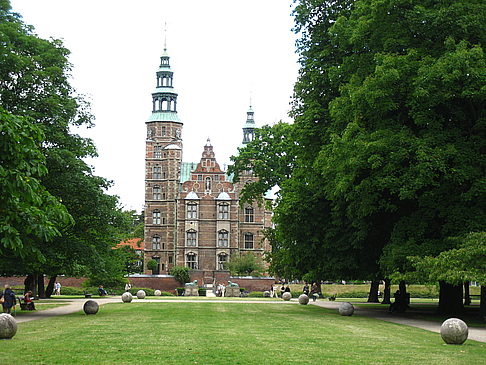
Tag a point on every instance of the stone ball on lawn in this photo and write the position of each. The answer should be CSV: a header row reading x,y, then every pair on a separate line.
x,y
454,331
127,297
346,309
8,326
286,296
303,299
266,294
141,294
157,293
91,307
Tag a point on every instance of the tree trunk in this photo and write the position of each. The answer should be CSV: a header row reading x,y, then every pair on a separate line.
x,y
50,286
482,306
467,298
40,284
373,295
29,283
386,292
450,299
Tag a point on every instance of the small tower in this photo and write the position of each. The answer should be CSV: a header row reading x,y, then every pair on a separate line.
x,y
163,157
249,127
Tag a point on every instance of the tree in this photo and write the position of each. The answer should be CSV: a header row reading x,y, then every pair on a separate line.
x,y
180,273
34,85
388,136
245,264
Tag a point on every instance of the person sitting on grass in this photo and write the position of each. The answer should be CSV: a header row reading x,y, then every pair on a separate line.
x,y
102,291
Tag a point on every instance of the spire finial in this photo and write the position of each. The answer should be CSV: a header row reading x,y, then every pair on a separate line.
x,y
165,36
250,99
208,142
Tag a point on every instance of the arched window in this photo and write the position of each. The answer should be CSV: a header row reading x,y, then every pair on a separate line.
x,y
156,217
191,238
249,240
223,238
222,260
156,243
157,171
156,192
249,214
208,184
191,260
191,211
223,211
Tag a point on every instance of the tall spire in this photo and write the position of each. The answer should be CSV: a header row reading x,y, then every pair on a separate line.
x,y
164,98
249,127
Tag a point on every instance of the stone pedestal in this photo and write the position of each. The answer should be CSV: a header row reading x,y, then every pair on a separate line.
x,y
191,291
454,331
8,326
91,307
232,291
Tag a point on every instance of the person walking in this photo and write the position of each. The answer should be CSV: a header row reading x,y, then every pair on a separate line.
x,y
57,288
8,297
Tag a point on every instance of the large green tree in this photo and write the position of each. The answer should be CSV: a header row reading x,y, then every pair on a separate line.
x,y
388,136
34,85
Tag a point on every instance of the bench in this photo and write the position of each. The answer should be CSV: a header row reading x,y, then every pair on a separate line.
x,y
87,295
25,306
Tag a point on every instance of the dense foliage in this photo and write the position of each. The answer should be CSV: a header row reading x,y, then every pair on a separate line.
x,y
388,140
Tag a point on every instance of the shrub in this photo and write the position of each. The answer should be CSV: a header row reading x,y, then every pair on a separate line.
x,y
180,291
202,292
181,274
256,294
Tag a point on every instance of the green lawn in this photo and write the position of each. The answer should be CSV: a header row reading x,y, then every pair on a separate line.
x,y
228,333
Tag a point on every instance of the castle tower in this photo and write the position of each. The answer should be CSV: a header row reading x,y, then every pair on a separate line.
x,y
163,157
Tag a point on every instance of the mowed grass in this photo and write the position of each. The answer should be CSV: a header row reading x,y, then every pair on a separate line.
x,y
228,333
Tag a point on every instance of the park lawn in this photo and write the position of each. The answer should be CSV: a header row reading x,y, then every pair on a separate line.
x,y
228,333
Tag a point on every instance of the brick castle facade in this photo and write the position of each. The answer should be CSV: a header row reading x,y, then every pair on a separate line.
x,y
193,216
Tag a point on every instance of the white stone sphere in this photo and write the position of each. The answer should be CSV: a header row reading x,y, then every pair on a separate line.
x,y
127,297
8,326
266,294
303,299
141,294
346,309
157,293
91,307
286,296
454,331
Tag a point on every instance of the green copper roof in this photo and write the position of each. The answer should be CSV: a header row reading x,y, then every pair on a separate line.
x,y
186,168
164,117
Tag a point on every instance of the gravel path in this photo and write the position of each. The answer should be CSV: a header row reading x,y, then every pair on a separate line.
x,y
76,305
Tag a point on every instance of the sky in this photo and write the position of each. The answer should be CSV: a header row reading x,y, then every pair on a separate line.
x,y
224,55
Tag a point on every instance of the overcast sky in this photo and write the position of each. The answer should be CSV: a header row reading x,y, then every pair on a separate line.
x,y
223,52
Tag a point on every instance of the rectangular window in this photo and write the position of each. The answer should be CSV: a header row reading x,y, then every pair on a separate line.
x,y
223,238
171,259
191,238
164,131
156,217
191,260
156,243
192,211
249,241
223,211
156,191
157,152
157,172
249,214
222,259
199,177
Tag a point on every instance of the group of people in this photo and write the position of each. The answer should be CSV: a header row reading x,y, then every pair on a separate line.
x,y
8,300
312,291
220,290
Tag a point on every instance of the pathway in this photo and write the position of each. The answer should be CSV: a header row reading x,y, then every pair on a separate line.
x,y
76,305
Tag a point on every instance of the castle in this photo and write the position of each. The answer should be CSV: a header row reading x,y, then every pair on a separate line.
x,y
193,216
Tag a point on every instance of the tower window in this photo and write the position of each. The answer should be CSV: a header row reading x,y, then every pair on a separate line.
x,y
249,214
157,152
191,260
223,238
156,192
191,238
223,211
164,131
208,184
156,217
249,241
157,172
192,211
